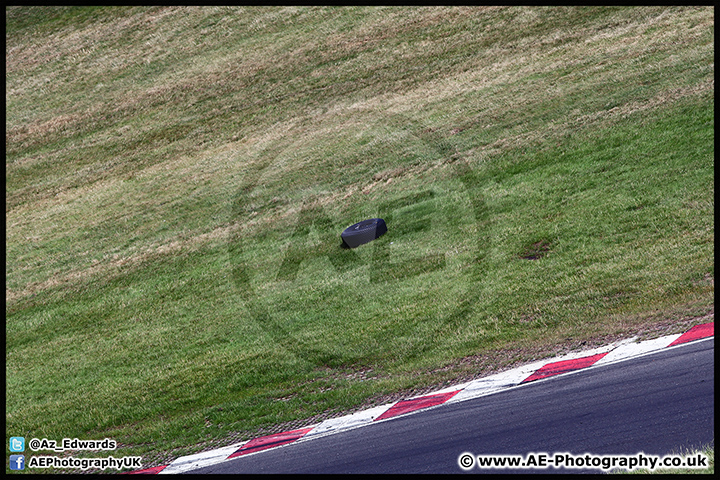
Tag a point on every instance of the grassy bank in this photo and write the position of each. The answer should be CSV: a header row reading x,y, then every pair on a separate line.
x,y
177,180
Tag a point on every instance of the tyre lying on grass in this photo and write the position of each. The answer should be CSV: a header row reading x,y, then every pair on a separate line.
x,y
363,232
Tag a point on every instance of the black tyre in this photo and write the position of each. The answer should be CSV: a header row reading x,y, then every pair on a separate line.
x,y
363,232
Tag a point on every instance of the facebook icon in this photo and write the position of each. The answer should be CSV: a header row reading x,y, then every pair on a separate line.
x,y
17,462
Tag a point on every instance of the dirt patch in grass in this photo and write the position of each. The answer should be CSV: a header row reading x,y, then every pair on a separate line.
x,y
536,251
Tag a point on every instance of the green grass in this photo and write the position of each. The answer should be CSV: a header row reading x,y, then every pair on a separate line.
x,y
177,180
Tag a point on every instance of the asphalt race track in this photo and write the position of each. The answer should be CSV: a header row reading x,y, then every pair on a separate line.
x,y
655,404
